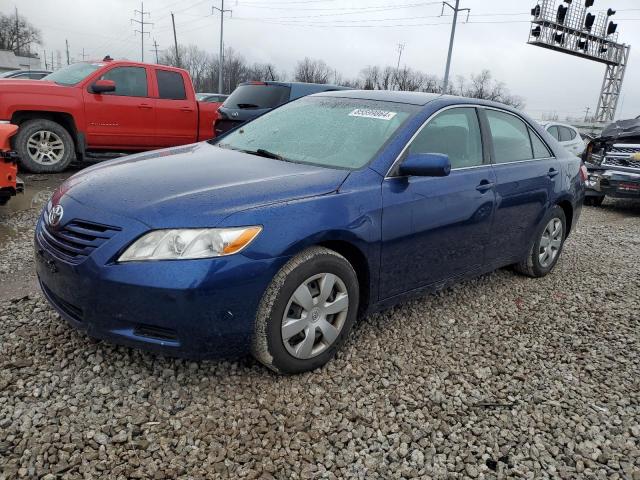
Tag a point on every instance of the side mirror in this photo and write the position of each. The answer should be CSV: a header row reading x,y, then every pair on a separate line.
x,y
426,165
103,86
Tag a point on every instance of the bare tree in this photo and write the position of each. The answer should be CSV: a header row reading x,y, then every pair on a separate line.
x,y
312,71
484,87
18,36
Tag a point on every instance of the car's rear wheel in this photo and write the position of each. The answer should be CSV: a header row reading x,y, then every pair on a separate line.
x,y
44,146
306,312
547,246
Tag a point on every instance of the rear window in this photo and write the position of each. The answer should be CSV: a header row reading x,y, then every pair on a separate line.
x,y
566,134
258,96
171,85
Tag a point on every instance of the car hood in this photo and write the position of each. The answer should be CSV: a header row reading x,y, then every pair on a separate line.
x,y
194,186
30,86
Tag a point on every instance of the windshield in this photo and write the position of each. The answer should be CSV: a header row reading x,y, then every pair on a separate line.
x,y
258,96
72,74
324,131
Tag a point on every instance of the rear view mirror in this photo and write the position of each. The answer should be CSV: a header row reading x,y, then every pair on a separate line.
x,y
426,165
103,86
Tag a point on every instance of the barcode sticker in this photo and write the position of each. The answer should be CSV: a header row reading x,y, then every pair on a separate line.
x,y
370,113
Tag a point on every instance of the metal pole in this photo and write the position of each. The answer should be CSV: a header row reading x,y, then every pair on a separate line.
x,y
175,39
453,34
142,33
221,66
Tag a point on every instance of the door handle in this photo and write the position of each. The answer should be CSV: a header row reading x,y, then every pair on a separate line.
x,y
145,106
186,109
552,172
485,185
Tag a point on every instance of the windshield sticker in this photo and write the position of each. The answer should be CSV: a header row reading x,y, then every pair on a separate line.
x,y
370,113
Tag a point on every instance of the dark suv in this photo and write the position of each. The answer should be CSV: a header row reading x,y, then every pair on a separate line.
x,y
252,99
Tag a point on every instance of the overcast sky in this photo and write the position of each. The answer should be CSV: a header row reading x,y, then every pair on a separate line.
x,y
351,34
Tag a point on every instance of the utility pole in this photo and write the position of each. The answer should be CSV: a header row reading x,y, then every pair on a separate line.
x,y
221,66
586,113
455,9
400,49
175,39
53,67
67,43
46,66
142,23
17,33
84,56
155,48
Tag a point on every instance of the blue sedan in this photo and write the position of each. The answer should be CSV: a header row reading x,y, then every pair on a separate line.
x,y
275,237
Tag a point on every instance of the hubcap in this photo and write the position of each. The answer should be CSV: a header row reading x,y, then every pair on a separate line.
x,y
45,147
550,242
315,315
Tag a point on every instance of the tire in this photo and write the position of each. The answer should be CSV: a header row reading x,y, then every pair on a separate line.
x,y
535,265
593,201
44,146
285,351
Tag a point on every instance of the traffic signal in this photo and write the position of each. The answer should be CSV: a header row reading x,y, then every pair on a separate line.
x,y
535,11
536,32
562,14
588,3
588,21
611,28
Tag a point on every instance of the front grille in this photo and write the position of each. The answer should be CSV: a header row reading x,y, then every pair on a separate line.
x,y
622,148
223,126
69,309
621,162
76,240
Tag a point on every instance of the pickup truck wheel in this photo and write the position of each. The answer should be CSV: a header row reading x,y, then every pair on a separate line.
x,y
44,146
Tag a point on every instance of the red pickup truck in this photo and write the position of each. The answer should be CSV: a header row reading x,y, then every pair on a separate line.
x,y
89,108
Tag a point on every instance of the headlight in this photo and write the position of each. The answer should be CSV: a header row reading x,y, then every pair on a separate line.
x,y
189,243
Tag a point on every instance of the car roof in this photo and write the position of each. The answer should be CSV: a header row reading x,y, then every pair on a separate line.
x,y
547,124
327,86
411,98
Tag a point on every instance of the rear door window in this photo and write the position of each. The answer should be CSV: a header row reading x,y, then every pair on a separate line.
x,y
171,85
566,134
540,150
259,96
553,131
510,135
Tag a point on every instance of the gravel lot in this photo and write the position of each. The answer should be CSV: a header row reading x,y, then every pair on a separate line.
x,y
500,377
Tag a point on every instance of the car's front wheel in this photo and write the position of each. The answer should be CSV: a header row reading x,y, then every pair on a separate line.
x,y
547,245
306,312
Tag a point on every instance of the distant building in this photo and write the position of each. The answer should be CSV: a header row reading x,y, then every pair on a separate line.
x,y
11,61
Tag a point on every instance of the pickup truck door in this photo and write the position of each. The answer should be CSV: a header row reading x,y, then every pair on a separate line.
x,y
176,109
124,119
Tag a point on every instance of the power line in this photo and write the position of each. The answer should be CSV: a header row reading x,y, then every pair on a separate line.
x,y
142,23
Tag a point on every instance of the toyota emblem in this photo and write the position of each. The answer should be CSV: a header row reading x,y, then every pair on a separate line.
x,y
55,215
234,114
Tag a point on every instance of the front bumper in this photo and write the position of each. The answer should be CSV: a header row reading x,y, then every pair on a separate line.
x,y
192,308
613,183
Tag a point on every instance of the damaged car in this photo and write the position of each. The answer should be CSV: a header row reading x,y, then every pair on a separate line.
x,y
613,163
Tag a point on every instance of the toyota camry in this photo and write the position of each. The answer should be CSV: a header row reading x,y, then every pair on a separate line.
x,y
275,237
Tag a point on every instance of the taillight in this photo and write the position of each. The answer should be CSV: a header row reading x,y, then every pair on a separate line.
x,y
584,174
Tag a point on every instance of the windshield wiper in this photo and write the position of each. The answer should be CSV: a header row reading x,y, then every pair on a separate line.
x,y
248,105
261,152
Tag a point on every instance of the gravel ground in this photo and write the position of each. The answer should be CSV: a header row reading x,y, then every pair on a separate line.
x,y
499,377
